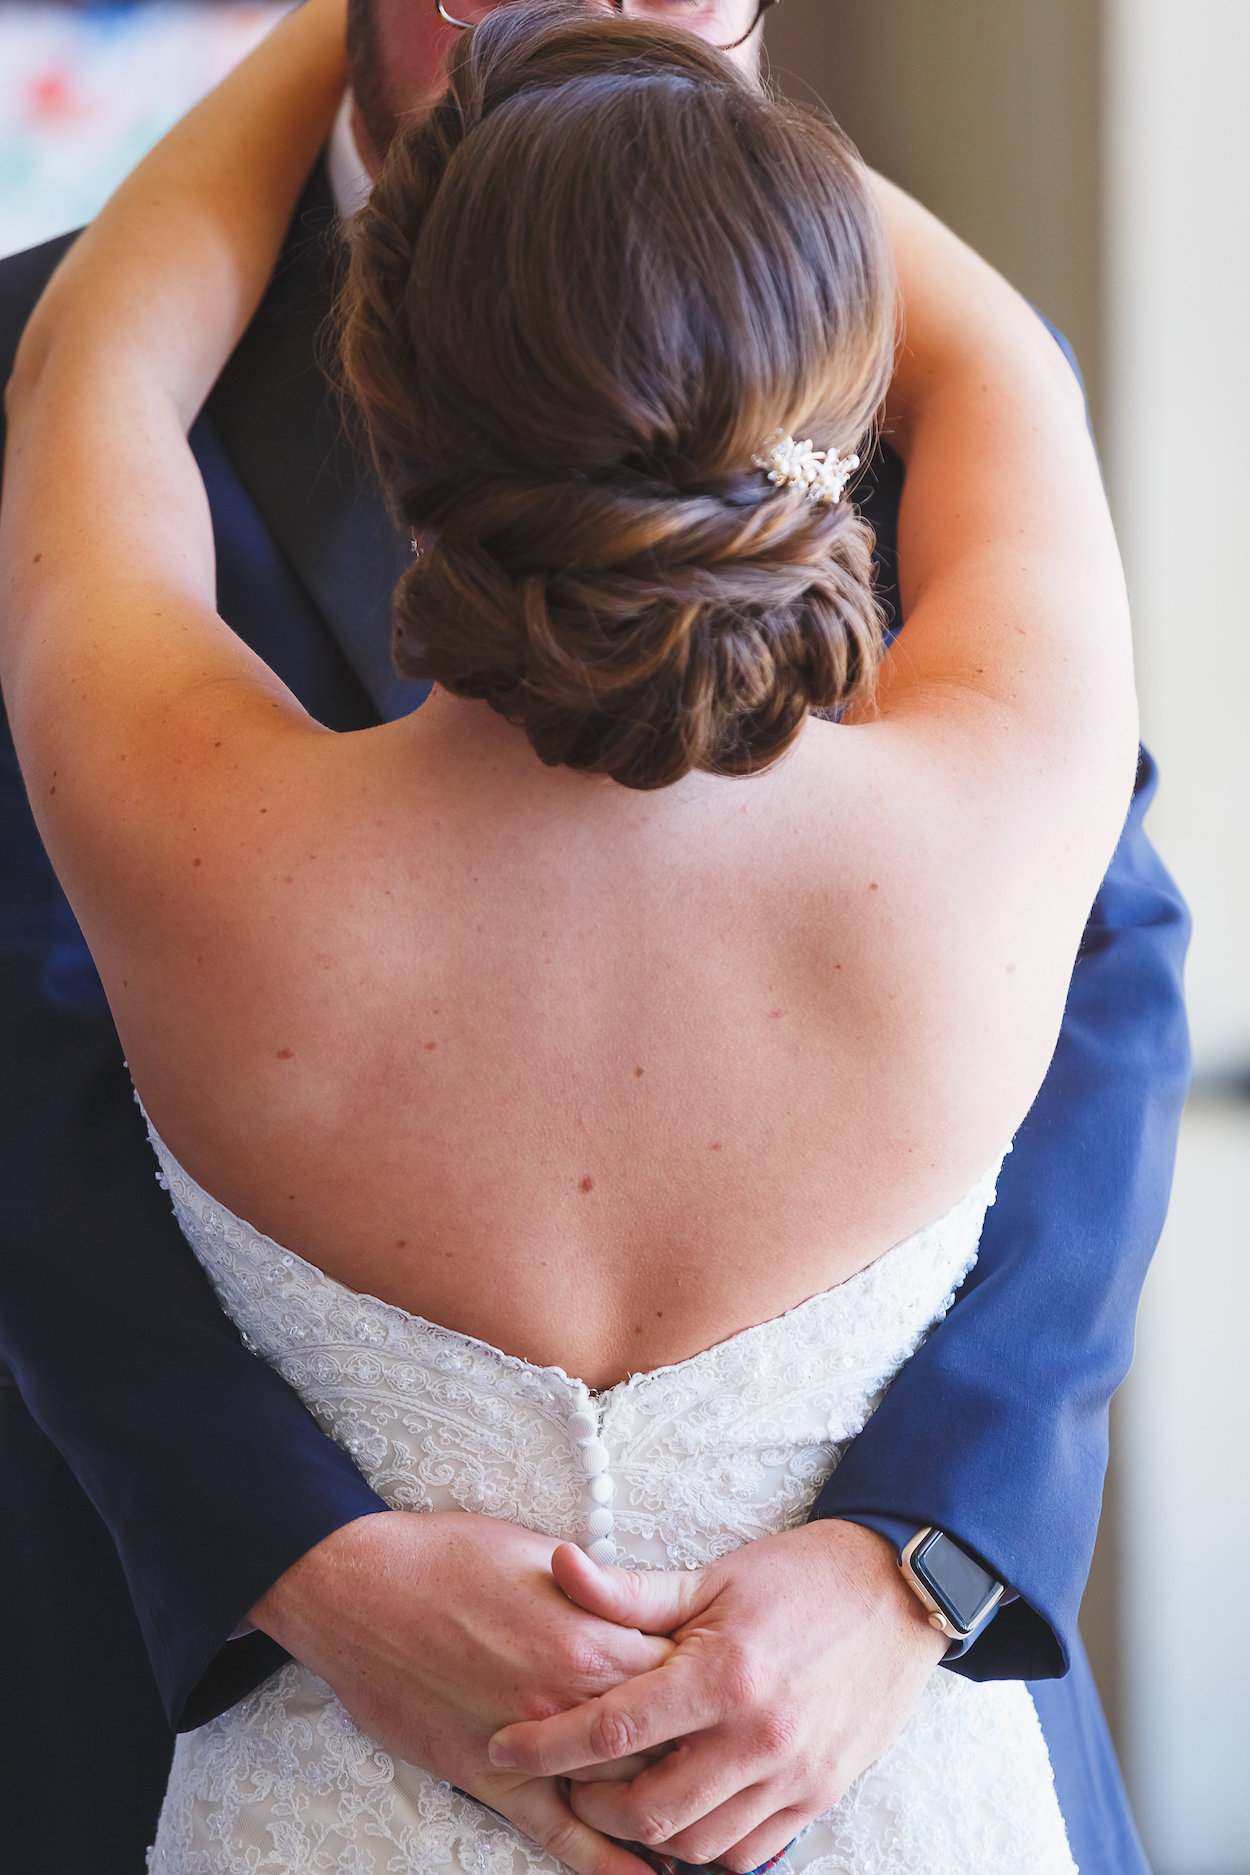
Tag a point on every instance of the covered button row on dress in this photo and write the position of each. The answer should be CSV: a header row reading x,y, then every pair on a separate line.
x,y
593,1460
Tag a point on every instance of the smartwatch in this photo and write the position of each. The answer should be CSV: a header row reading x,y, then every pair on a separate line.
x,y
956,1591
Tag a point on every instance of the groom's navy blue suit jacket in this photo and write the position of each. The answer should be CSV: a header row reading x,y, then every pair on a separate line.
x,y
205,1470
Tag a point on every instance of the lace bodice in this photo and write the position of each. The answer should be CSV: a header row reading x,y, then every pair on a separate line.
x,y
670,1469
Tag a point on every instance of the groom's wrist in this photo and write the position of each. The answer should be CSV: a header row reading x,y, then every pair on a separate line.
x,y
901,1533
317,1583
897,1531
865,1570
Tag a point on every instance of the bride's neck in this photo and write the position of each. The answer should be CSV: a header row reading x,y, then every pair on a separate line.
x,y
465,734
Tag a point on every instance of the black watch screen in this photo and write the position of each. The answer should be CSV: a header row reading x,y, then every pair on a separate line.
x,y
962,1589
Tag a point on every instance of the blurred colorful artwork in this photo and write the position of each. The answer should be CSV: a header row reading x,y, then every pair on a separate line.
x,y
85,90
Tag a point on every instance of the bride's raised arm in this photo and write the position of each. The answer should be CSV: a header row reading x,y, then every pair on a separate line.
x,y
1009,574
106,548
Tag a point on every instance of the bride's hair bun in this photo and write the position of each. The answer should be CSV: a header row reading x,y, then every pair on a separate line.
x,y
590,286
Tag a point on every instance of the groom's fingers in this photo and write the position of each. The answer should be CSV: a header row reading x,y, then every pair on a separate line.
x,y
656,1601
622,1772
671,1806
675,1700
542,1813
767,1841
732,1834
746,1831
607,1654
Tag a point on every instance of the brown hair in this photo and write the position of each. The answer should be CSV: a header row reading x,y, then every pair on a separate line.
x,y
590,285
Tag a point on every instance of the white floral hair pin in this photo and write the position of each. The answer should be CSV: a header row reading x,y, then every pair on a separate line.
x,y
822,474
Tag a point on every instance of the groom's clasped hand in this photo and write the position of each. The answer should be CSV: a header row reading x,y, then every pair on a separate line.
x,y
434,1630
798,1659
711,1713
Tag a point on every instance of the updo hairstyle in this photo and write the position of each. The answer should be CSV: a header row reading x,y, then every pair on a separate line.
x,y
589,287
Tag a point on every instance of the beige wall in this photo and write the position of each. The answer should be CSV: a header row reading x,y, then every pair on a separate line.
x,y
987,110
1177,264
1178,378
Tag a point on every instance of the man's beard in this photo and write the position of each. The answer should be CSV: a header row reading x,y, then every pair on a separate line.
x,y
364,54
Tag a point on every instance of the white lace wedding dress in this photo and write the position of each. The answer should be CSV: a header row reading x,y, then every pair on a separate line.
x,y
667,1470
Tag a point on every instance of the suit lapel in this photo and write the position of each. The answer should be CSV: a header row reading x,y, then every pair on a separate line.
x,y
281,425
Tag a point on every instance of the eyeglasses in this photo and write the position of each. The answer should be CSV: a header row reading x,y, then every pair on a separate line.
x,y
708,18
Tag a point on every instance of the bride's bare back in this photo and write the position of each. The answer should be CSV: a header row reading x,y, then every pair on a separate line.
x,y
600,1075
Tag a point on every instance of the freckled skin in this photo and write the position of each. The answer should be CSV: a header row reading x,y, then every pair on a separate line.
x,y
530,1080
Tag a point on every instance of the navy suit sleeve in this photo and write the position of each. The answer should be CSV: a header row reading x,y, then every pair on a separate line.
x,y
208,1472
996,1430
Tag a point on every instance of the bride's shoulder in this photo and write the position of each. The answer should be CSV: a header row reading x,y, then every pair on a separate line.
x,y
945,921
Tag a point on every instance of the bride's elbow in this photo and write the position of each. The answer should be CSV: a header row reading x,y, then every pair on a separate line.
x,y
1103,774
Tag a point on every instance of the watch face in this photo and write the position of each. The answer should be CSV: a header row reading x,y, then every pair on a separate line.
x,y
962,1589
